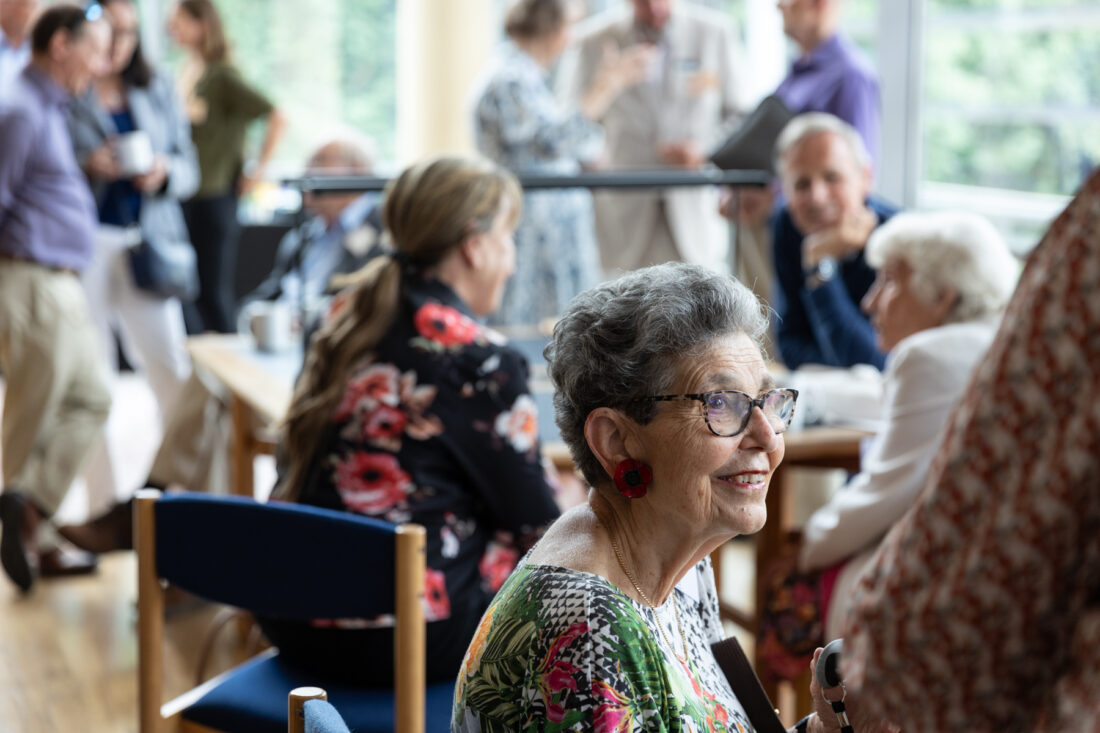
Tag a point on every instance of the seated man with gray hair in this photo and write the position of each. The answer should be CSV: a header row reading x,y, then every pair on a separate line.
x,y
818,244
342,235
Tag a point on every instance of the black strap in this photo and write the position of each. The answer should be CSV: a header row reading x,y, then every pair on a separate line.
x,y
841,716
746,685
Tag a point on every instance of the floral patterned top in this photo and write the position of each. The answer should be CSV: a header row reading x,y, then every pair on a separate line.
x,y
565,650
439,428
519,124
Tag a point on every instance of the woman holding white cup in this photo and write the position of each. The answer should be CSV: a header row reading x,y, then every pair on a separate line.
x,y
133,141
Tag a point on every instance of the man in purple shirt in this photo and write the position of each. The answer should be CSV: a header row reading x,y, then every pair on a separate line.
x,y
56,397
831,74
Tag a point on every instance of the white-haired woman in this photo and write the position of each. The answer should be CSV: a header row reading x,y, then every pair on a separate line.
x,y
942,282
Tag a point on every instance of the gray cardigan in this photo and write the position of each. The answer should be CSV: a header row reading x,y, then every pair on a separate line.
x,y
158,111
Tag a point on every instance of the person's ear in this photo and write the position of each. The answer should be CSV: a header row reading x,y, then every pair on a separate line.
x,y
59,45
945,302
472,248
609,434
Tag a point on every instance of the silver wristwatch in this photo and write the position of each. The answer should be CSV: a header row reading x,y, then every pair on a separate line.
x,y
824,272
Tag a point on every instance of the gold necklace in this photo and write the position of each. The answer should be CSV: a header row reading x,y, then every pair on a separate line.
x,y
675,606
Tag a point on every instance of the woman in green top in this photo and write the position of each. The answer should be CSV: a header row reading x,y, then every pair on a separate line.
x,y
221,106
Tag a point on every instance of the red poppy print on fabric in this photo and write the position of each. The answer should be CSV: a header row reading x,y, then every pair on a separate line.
x,y
384,426
375,385
437,604
381,404
520,425
497,563
443,325
371,483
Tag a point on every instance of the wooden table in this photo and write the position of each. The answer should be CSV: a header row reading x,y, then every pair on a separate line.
x,y
260,386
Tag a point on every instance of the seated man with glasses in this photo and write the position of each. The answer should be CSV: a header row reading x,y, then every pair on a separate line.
x,y
942,282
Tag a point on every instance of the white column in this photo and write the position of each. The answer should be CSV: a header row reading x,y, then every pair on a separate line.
x,y
442,45
766,48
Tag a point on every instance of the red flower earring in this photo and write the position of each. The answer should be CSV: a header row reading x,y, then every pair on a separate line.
x,y
632,478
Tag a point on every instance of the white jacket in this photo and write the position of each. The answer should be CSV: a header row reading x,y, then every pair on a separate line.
x,y
926,375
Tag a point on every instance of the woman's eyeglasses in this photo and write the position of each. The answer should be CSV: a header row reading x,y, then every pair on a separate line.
x,y
727,411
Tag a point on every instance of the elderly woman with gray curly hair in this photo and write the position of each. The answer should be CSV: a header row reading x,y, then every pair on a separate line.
x,y
664,399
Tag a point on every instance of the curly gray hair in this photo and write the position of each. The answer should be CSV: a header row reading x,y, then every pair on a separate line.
x,y
947,249
622,340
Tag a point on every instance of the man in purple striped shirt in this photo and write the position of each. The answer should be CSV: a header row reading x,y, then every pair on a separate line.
x,y
56,397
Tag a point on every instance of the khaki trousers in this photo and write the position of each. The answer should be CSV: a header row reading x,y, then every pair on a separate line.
x,y
56,396
194,451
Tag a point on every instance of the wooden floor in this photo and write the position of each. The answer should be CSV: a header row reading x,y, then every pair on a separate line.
x,y
68,651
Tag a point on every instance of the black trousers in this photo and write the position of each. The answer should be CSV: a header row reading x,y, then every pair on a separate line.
x,y
212,224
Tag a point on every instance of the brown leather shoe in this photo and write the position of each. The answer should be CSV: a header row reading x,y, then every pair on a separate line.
x,y
60,562
18,553
112,530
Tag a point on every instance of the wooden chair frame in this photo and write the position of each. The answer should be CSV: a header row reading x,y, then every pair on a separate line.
x,y
409,632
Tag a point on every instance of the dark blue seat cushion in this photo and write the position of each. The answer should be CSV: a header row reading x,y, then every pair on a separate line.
x,y
254,700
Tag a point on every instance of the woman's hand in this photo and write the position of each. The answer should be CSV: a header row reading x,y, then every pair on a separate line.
x,y
153,181
101,164
825,720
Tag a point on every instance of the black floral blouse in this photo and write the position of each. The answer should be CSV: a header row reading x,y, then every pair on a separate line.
x,y
440,428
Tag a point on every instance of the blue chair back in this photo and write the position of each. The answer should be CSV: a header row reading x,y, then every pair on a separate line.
x,y
240,552
289,561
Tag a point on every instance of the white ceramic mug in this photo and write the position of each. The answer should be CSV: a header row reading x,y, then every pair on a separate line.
x,y
134,153
271,325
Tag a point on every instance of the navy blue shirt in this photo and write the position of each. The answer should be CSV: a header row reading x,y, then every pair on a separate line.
x,y
824,325
121,202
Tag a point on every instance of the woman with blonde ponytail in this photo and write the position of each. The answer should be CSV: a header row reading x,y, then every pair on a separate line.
x,y
407,409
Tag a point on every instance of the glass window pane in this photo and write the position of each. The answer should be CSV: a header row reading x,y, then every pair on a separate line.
x,y
1011,93
329,68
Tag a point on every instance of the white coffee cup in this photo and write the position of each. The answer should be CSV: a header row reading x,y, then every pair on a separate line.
x,y
133,152
271,324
